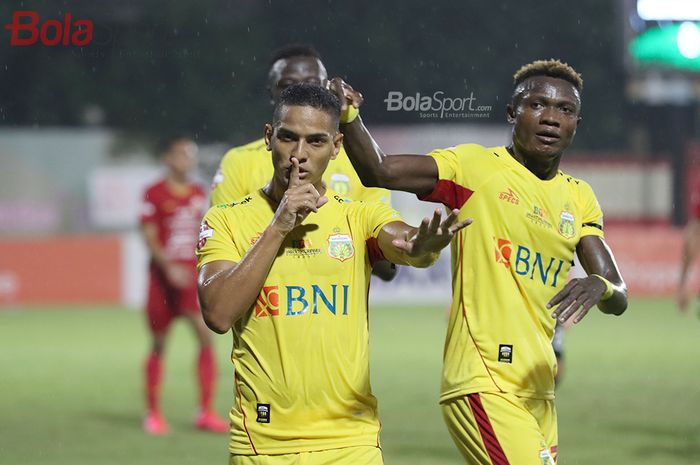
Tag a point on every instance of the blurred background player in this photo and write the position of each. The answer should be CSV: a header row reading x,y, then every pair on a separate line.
x,y
288,268
172,211
246,168
509,287
691,245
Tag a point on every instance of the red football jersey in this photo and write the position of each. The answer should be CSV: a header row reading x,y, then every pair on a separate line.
x,y
177,217
695,201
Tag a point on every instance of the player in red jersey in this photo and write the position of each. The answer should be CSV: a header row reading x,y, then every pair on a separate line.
x,y
691,246
172,210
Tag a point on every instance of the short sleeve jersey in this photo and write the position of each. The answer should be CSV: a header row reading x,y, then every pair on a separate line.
x,y
247,168
176,216
301,352
508,264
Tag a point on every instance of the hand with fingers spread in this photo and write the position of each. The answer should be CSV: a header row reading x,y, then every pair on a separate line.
x,y
432,235
579,295
300,199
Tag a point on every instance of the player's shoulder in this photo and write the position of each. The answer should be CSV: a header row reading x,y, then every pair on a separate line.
x,y
197,189
577,184
472,151
256,146
579,188
353,206
155,189
248,201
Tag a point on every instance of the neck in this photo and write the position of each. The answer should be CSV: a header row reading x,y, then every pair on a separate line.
x,y
544,170
177,178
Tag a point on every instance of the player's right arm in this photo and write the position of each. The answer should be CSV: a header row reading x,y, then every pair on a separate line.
x,y
411,173
228,289
691,246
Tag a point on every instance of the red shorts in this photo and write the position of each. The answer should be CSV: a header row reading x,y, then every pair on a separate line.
x,y
166,302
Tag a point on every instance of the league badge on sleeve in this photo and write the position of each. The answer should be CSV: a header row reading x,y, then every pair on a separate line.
x,y
205,232
340,247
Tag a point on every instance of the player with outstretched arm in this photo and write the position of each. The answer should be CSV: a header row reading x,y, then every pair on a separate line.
x,y
510,267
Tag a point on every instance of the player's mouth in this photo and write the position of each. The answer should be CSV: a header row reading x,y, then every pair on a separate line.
x,y
548,137
303,174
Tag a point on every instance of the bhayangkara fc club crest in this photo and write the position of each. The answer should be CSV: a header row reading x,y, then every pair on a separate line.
x,y
340,247
566,224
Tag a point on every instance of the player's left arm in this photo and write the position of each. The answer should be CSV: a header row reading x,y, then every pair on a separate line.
x,y
603,286
420,247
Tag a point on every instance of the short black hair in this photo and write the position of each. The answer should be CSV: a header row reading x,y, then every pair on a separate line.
x,y
551,68
308,95
164,144
294,50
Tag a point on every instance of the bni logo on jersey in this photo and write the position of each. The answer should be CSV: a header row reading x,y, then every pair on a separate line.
x,y
528,263
298,300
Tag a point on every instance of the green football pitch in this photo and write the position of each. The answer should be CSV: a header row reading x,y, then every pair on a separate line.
x,y
71,392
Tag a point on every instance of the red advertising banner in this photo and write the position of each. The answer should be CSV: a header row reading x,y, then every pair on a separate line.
x,y
60,270
649,258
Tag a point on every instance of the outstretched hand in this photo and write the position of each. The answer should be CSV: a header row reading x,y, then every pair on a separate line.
x,y
579,295
299,200
432,235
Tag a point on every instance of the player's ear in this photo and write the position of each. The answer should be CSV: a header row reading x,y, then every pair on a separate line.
x,y
337,145
269,131
510,113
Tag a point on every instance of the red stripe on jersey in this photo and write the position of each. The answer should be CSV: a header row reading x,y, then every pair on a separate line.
x,y
375,253
493,447
448,193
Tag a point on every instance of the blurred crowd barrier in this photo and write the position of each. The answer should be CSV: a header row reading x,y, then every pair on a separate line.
x,y
69,203
111,269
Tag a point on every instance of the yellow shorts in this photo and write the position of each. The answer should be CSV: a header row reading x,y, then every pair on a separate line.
x,y
503,429
359,455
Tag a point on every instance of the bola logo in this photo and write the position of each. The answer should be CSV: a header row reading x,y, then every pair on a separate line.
x,y
27,29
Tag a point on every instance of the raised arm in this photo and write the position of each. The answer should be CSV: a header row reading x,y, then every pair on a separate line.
x,y
421,246
603,286
227,290
411,173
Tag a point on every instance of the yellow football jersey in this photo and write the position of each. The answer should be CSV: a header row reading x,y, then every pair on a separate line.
x,y
249,167
507,265
301,352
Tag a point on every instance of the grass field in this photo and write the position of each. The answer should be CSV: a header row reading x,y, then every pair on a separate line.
x,y
71,393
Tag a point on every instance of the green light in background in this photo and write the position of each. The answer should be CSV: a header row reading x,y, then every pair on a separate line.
x,y
676,46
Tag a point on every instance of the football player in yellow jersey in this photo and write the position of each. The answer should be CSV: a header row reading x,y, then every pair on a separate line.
x,y
287,268
246,168
510,267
